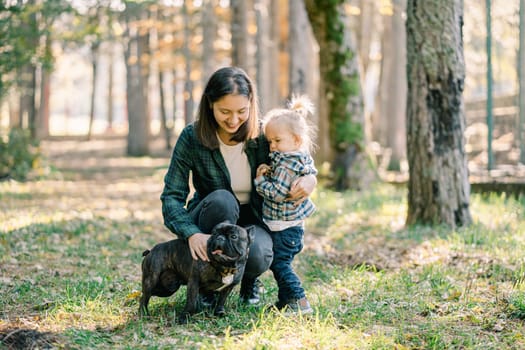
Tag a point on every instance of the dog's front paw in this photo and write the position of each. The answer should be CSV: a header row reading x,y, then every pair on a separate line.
x,y
184,318
219,311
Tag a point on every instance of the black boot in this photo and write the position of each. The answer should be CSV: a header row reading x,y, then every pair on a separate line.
x,y
250,291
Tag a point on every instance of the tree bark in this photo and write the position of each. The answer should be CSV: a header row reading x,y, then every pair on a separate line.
x,y
303,61
188,82
239,32
209,34
163,113
438,187
521,99
137,73
262,59
394,86
340,97
94,67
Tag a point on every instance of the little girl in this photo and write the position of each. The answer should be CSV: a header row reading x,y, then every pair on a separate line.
x,y
291,140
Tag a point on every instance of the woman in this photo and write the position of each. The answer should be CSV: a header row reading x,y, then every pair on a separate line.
x,y
222,151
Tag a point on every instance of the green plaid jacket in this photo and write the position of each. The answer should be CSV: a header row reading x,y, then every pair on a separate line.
x,y
208,173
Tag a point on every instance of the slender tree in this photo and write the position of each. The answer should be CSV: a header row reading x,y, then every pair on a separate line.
x,y
188,82
521,72
438,187
393,85
137,73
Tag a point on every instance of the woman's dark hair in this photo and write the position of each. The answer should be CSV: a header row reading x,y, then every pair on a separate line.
x,y
226,81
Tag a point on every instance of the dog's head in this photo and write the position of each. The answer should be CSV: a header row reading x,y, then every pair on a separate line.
x,y
229,243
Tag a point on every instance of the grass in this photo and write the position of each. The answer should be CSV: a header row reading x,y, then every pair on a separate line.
x,y
70,254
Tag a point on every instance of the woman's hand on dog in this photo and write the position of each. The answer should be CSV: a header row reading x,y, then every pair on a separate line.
x,y
198,243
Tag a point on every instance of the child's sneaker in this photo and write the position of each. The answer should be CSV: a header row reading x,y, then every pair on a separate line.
x,y
298,306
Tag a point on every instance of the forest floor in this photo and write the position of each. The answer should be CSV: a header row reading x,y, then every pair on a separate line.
x,y
71,244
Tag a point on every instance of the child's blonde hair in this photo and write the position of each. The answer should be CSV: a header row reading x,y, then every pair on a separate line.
x,y
295,119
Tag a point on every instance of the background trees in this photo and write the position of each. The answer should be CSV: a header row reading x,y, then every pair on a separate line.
x,y
438,188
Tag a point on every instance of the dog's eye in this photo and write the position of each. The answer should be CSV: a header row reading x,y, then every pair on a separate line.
x,y
234,236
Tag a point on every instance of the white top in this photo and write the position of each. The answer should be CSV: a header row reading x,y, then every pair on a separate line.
x,y
279,225
239,167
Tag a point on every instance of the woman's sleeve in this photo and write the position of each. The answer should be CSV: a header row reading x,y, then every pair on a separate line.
x,y
176,188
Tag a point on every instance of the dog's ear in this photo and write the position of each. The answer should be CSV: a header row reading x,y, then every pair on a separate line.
x,y
251,233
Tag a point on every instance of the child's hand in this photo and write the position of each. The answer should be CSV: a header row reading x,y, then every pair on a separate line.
x,y
263,169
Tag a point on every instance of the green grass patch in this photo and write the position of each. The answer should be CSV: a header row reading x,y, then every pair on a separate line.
x,y
72,267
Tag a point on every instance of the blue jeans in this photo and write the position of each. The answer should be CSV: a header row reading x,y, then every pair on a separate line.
x,y
221,205
286,245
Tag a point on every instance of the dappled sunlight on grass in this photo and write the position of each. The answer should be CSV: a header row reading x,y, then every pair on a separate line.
x,y
70,254
315,333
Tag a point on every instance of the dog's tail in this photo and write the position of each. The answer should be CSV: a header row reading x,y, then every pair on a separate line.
x,y
146,252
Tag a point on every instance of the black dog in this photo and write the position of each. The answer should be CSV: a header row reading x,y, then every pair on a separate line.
x,y
170,264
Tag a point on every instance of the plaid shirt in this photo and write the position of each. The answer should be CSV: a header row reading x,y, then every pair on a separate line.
x,y
208,173
286,168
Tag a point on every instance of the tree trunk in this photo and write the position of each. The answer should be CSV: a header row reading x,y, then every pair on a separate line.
x,y
28,98
277,69
304,63
94,67
137,66
188,82
521,65
341,91
302,51
163,115
209,34
438,187
366,31
263,63
394,86
239,32
42,129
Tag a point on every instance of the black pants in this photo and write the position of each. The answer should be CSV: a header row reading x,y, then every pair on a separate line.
x,y
221,206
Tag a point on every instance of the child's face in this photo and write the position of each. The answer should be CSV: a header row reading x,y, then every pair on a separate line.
x,y
281,139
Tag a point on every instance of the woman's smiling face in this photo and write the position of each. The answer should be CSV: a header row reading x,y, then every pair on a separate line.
x,y
230,113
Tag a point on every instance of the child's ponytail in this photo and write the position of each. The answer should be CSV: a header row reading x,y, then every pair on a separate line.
x,y
302,105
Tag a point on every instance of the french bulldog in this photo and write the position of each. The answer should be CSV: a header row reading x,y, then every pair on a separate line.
x,y
169,265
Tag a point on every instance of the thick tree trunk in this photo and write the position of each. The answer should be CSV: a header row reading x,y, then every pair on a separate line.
x,y
209,34
239,31
304,60
438,188
341,91
262,59
302,51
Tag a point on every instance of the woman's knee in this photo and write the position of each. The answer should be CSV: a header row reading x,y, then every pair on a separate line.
x,y
218,206
261,253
